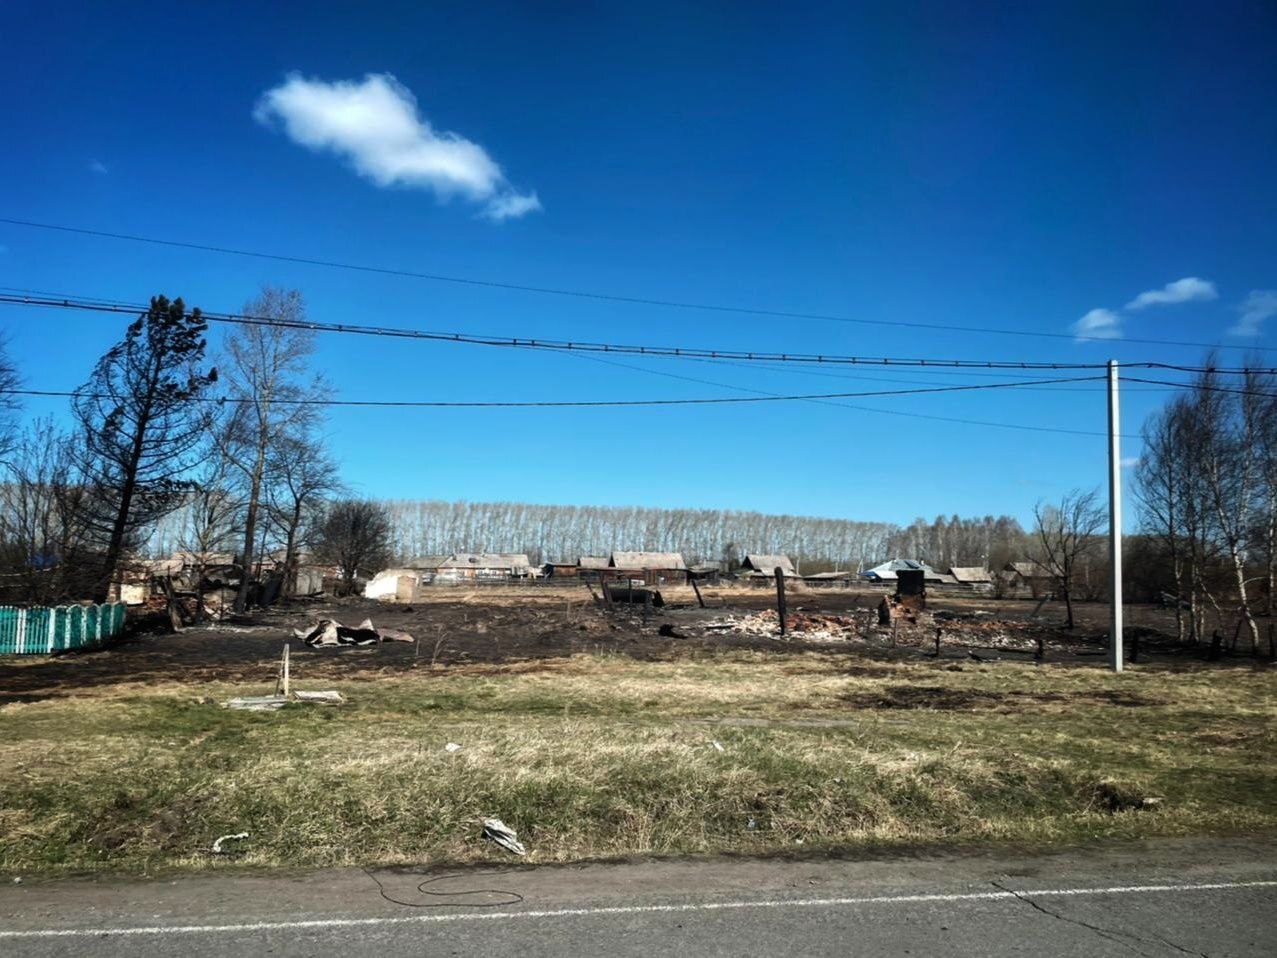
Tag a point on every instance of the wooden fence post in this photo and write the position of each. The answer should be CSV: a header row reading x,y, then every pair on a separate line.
x,y
780,597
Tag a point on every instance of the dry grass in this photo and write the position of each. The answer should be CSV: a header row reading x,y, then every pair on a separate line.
x,y
595,756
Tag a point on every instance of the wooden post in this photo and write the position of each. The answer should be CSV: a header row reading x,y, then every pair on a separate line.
x,y
938,631
691,577
286,676
780,597
586,582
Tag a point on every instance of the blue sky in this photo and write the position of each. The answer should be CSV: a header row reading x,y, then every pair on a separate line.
x,y
1014,166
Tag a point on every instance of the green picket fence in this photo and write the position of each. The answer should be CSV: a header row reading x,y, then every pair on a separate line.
x,y
42,631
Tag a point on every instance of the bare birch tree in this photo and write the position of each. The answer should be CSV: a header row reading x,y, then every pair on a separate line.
x,y
266,375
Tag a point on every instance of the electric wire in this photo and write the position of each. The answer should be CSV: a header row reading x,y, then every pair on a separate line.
x,y
585,294
565,404
108,306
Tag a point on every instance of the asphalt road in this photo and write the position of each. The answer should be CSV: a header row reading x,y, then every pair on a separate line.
x,y
1172,898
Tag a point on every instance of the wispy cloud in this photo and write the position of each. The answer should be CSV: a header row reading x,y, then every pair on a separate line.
x,y
98,167
1187,290
375,126
1098,324
1130,462
1260,305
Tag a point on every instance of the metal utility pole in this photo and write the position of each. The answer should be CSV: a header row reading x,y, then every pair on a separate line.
x,y
1115,524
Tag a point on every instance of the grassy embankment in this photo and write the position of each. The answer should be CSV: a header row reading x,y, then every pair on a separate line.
x,y
605,756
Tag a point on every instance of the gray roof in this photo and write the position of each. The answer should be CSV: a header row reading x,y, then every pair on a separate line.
x,y
487,560
592,562
1028,570
768,563
970,573
648,560
887,570
426,562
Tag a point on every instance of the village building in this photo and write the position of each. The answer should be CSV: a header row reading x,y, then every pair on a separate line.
x,y
1027,578
654,568
888,572
975,578
768,564
485,565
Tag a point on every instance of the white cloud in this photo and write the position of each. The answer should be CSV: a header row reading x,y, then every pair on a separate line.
x,y
374,124
511,205
98,167
1187,290
1129,462
1098,324
1260,305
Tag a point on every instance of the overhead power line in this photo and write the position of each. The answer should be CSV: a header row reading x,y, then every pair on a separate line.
x,y
595,296
870,409
110,306
1207,387
572,404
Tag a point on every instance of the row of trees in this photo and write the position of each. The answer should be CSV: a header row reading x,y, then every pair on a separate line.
x,y
226,456
1207,486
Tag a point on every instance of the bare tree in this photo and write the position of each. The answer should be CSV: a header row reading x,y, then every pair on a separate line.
x,y
143,426
354,535
1066,533
265,374
9,405
44,545
302,476
214,508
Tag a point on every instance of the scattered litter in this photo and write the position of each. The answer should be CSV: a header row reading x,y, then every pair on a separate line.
x,y
505,836
323,698
751,824
257,703
718,746
330,632
17,879
237,837
452,747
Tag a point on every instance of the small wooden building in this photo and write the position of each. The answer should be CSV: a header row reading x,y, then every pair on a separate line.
x,y
654,568
768,564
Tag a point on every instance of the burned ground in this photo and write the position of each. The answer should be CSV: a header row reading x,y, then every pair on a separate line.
x,y
493,630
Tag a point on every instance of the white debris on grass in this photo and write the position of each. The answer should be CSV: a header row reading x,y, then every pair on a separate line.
x,y
237,837
505,836
452,747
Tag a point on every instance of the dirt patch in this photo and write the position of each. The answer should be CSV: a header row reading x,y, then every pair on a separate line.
x,y
942,698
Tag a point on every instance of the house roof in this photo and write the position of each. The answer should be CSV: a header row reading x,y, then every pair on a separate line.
x,y
592,562
830,575
426,562
970,573
768,563
486,560
647,560
887,570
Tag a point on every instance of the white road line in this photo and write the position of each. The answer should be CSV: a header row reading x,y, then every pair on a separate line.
x,y
623,910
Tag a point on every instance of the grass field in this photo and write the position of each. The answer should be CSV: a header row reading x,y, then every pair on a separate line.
x,y
601,755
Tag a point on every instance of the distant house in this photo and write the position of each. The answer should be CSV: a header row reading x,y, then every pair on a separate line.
x,y
888,572
593,562
1029,577
562,569
653,567
485,565
426,563
977,578
768,564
